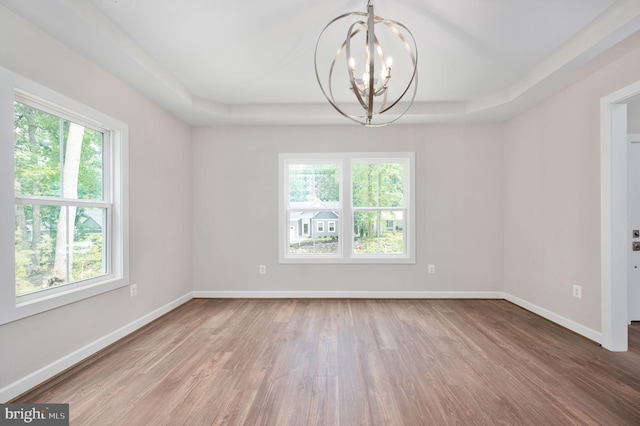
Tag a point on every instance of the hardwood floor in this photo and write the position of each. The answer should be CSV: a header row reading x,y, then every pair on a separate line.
x,y
352,362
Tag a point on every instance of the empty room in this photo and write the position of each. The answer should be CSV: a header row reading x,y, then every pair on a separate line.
x,y
320,213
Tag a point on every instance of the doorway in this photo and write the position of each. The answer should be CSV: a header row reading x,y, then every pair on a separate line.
x,y
615,258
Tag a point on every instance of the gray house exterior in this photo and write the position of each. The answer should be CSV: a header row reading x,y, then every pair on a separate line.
x,y
304,225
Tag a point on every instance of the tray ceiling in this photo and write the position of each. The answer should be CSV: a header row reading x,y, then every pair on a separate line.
x,y
251,62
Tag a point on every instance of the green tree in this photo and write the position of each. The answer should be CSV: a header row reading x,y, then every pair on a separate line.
x,y
375,185
66,221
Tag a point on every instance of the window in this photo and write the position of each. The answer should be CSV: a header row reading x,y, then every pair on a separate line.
x,y
361,203
68,192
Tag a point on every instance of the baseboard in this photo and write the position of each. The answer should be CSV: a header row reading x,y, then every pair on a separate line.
x,y
40,376
596,336
348,294
45,373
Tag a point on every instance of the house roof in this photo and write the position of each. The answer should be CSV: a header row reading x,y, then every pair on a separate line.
x,y
251,62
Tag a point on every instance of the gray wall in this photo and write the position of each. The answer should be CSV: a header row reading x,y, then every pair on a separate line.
x,y
458,208
552,196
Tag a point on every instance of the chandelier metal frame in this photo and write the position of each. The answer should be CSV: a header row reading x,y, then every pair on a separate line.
x,y
370,86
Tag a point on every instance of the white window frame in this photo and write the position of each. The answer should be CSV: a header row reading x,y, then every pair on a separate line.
x,y
346,210
331,227
320,226
13,87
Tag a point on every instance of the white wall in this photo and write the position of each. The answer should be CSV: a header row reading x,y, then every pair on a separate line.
x,y
552,196
160,208
458,209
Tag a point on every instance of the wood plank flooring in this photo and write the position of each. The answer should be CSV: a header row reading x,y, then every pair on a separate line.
x,y
352,362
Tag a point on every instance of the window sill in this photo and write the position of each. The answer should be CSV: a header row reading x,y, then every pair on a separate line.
x,y
12,311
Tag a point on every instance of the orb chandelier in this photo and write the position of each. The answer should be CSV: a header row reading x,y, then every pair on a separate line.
x,y
368,49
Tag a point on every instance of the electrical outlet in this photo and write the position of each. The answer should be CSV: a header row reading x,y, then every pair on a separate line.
x,y
133,290
577,291
263,269
432,269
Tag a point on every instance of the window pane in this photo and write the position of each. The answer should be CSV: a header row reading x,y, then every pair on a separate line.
x,y
378,232
37,152
52,250
314,185
35,246
42,141
309,232
378,184
88,244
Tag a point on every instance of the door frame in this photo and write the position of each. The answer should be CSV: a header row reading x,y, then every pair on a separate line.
x,y
613,217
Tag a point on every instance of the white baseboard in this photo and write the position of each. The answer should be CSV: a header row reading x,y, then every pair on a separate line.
x,y
49,371
348,295
37,377
596,336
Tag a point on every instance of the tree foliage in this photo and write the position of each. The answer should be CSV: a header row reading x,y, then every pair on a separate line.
x,y
376,185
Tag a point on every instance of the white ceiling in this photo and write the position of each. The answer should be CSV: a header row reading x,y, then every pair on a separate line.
x,y
251,62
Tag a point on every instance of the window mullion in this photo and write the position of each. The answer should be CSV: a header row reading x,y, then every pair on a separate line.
x,y
346,225
54,201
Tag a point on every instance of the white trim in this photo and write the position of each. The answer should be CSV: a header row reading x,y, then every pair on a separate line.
x,y
301,294
587,332
49,371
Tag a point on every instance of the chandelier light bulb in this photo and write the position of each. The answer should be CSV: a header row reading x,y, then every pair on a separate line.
x,y
375,99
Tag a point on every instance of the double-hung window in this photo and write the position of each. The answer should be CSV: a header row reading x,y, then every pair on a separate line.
x,y
69,203
347,208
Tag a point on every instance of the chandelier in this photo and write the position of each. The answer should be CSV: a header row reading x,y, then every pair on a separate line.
x,y
361,68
